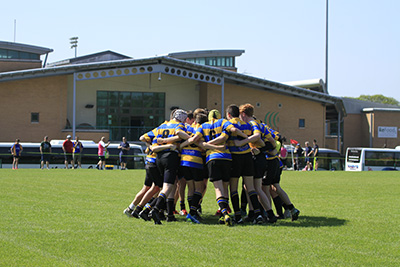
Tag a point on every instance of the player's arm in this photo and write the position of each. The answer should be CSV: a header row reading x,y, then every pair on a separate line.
x,y
237,132
220,139
208,145
168,140
158,148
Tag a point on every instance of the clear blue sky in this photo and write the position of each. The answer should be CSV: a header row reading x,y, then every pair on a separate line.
x,y
283,40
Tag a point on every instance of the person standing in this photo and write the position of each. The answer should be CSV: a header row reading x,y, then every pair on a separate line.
x,y
45,151
102,153
16,151
124,148
298,152
77,153
315,151
308,153
68,149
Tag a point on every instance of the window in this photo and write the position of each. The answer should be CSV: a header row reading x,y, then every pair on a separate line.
x,y
302,123
34,117
378,158
13,54
126,112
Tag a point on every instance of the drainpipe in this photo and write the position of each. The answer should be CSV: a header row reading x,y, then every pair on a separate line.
x,y
222,97
371,127
73,108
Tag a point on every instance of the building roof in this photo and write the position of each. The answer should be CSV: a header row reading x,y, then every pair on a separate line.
x,y
334,103
96,57
368,110
356,106
207,53
312,84
25,48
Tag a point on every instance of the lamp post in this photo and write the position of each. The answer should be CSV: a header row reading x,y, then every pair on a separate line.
x,y
326,46
74,43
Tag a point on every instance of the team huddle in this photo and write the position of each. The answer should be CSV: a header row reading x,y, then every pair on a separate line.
x,y
193,148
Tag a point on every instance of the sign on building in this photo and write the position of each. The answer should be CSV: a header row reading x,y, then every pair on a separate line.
x,y
387,132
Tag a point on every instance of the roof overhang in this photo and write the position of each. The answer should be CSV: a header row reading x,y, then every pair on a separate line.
x,y
25,48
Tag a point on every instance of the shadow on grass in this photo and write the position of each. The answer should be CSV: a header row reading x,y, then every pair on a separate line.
x,y
313,221
303,221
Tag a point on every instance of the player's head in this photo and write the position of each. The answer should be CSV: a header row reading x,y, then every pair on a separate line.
x,y
180,115
190,117
214,115
171,116
201,118
69,137
199,110
233,111
247,109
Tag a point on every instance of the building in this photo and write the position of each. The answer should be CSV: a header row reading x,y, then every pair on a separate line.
x,y
127,97
16,56
370,124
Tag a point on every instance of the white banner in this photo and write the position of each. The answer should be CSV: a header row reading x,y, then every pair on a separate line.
x,y
387,132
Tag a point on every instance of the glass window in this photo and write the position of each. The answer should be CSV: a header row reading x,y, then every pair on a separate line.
x,y
302,123
229,62
124,99
211,61
126,113
3,53
137,100
113,99
193,60
378,158
13,54
221,62
34,117
201,60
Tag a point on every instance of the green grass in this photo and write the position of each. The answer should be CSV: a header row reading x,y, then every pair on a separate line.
x,y
74,218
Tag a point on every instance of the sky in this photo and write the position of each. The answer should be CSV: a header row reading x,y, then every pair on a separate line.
x,y
283,40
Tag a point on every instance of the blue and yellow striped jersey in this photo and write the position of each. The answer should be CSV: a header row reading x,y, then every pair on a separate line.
x,y
168,129
150,155
256,128
267,133
246,129
191,156
211,130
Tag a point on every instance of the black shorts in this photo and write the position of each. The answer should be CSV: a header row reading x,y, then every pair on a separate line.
x,y
168,164
68,156
191,174
242,165
219,170
153,176
260,165
45,157
102,158
272,173
122,158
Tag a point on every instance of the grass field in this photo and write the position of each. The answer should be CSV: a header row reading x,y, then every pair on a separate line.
x,y
74,218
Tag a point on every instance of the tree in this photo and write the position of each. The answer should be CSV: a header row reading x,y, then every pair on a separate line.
x,y
378,99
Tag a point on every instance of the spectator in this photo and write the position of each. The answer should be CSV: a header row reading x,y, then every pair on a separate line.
x,y
307,154
77,153
68,149
123,154
45,151
102,153
298,151
315,151
16,151
283,156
